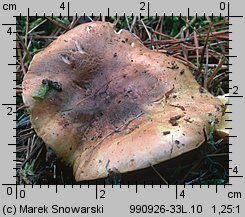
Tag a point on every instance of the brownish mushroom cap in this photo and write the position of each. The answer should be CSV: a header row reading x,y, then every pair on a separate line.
x,y
122,106
222,129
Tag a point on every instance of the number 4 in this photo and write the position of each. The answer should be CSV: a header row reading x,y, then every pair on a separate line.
x,y
62,6
235,170
9,31
182,194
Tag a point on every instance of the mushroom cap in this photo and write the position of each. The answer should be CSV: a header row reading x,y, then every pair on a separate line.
x,y
222,129
122,106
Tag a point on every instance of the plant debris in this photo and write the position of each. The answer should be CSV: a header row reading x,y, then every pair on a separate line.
x,y
173,120
48,85
165,133
167,94
42,92
53,84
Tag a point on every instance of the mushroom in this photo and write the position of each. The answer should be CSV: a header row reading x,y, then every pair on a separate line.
x,y
119,106
222,129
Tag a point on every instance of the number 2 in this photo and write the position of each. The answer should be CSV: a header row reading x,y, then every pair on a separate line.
x,y
10,111
143,6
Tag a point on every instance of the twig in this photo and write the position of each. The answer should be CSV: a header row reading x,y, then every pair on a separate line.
x,y
197,50
61,25
188,24
26,33
22,64
221,79
127,23
75,22
185,52
44,37
116,21
164,35
24,47
158,23
206,70
35,151
186,62
221,23
217,155
203,52
37,26
133,23
162,178
221,62
149,35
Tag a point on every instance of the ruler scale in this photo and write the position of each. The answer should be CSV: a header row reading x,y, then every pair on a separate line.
x,y
131,197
